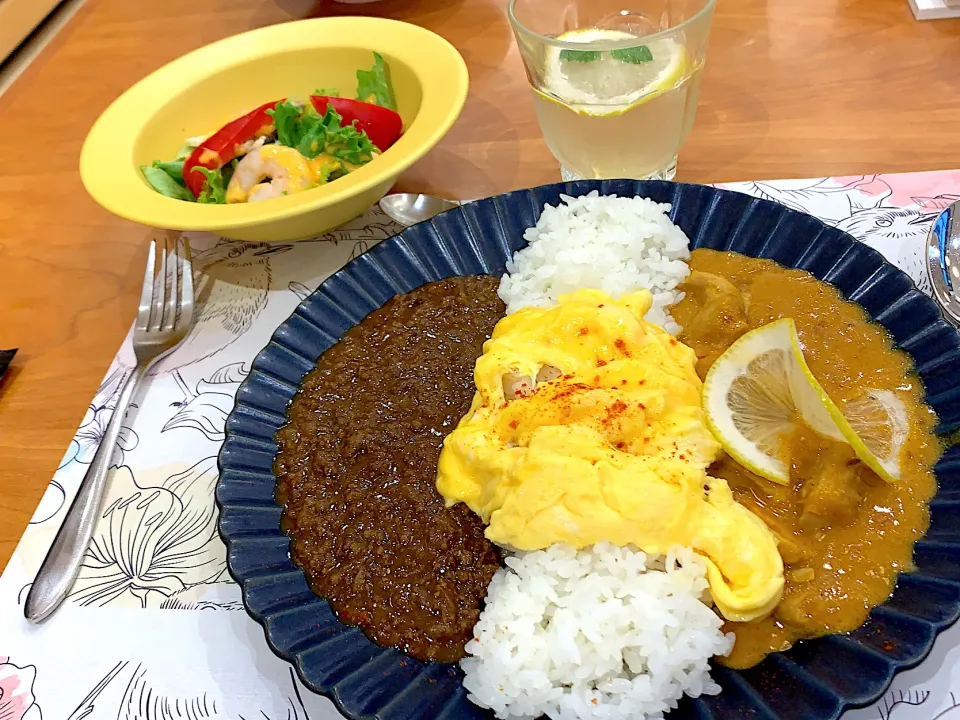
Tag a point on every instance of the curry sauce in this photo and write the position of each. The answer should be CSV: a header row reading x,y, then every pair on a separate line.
x,y
356,468
844,534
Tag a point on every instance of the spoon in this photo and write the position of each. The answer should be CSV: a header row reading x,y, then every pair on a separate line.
x,y
410,208
943,261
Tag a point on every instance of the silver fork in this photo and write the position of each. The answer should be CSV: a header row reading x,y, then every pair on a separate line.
x,y
163,321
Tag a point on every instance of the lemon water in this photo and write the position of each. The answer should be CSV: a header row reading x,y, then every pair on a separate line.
x,y
619,113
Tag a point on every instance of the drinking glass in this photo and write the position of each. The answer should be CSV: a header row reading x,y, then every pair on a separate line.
x,y
615,82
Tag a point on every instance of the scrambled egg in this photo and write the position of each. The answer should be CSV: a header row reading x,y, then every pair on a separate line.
x,y
587,426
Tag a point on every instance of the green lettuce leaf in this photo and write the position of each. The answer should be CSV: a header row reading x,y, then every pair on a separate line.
x,y
227,171
286,116
346,142
161,181
327,92
374,85
310,134
174,168
302,129
184,152
214,188
313,134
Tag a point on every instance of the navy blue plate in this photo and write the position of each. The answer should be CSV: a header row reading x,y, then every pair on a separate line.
x,y
814,681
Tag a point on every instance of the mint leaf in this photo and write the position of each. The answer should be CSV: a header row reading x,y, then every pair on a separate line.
x,y
213,192
164,184
580,55
373,85
634,55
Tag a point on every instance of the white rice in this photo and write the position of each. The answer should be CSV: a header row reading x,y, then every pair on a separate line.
x,y
609,243
606,632
596,633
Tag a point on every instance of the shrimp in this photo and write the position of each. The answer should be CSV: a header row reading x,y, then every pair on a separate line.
x,y
288,172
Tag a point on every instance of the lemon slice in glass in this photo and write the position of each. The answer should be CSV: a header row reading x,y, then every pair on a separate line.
x,y
761,386
607,82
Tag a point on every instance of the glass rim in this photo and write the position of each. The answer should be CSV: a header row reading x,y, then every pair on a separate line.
x,y
518,26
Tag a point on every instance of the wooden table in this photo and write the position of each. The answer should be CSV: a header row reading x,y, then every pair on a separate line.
x,y
792,89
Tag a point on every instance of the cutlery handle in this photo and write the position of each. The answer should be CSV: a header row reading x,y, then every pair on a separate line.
x,y
63,561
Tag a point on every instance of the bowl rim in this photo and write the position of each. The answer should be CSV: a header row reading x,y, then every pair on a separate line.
x,y
112,177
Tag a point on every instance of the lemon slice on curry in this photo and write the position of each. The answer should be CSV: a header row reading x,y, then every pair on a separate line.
x,y
761,386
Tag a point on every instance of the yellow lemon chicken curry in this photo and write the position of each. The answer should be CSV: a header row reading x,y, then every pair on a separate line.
x,y
843,532
587,426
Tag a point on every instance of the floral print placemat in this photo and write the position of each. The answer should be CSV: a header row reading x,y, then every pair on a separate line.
x,y
154,627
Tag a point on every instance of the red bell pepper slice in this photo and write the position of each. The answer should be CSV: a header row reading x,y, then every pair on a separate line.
x,y
382,125
221,147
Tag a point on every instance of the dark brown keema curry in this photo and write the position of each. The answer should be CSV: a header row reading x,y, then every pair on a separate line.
x,y
844,533
357,467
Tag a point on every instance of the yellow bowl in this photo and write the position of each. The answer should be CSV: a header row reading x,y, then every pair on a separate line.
x,y
201,91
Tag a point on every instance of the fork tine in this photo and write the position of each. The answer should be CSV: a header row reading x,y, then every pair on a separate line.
x,y
156,321
146,294
169,314
186,302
